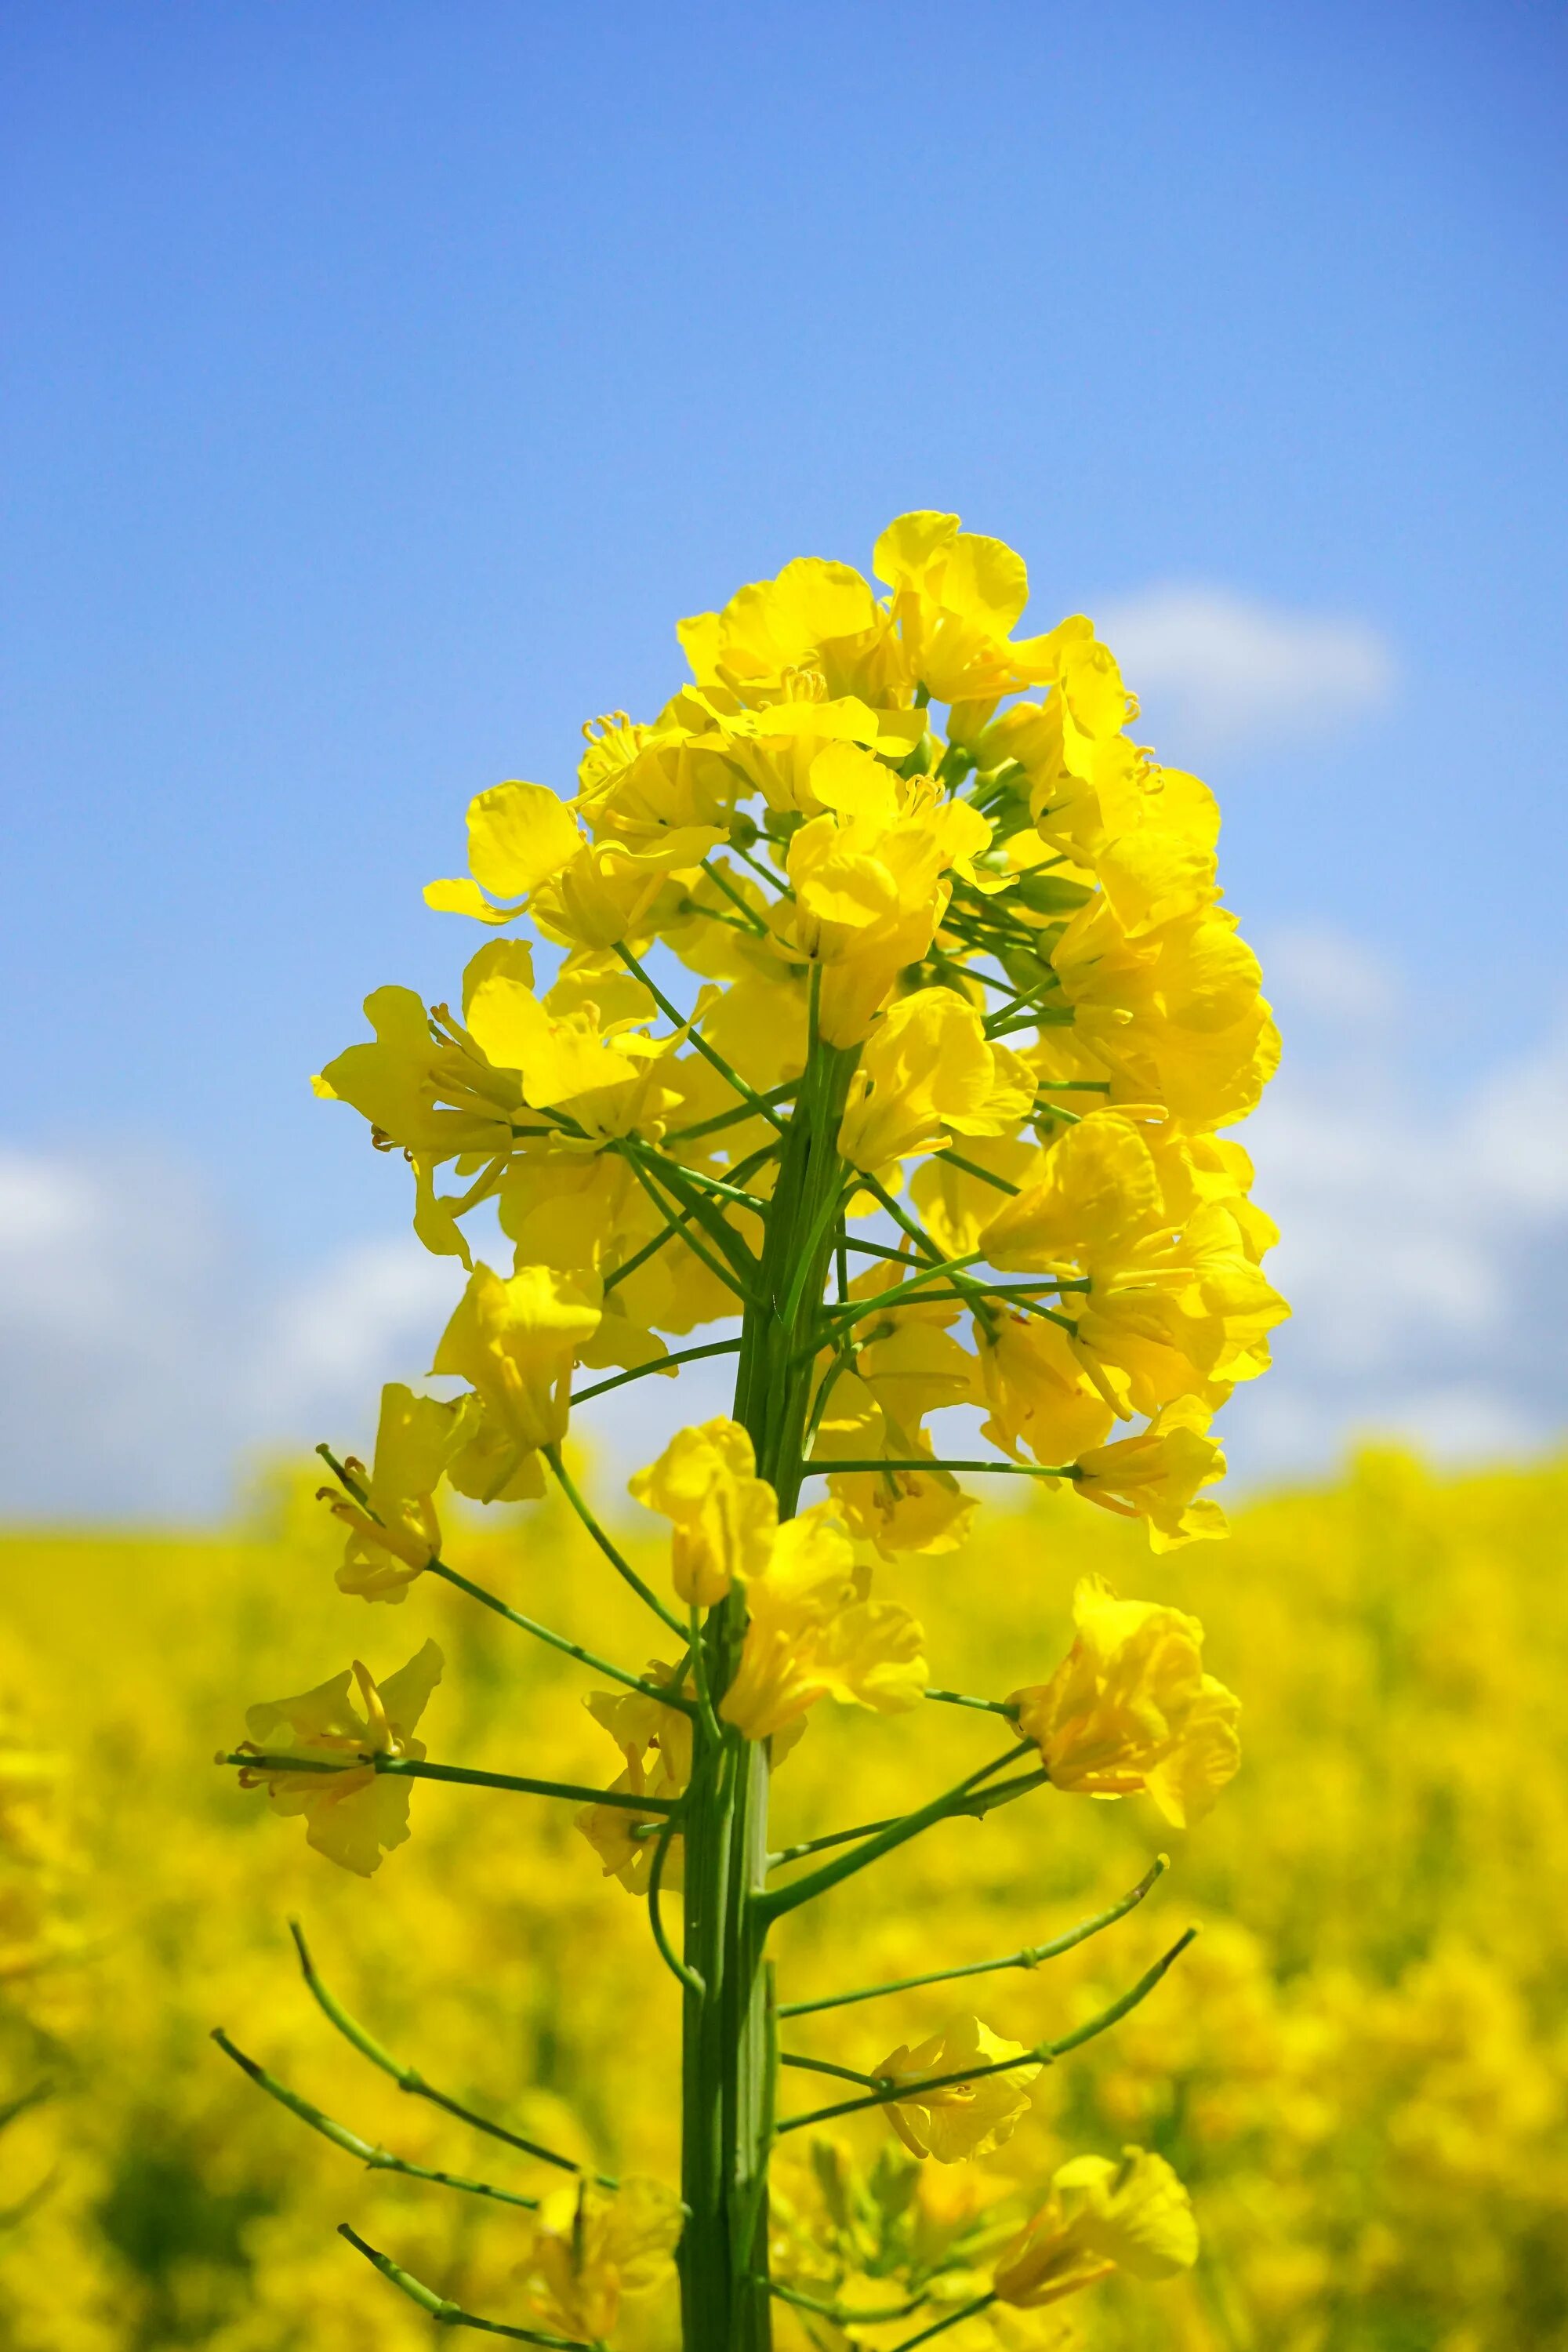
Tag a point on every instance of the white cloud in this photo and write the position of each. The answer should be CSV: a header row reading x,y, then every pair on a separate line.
x,y
142,1355
1423,1240
1220,669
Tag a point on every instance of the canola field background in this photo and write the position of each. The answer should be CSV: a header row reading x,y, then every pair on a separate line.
x,y
1361,2068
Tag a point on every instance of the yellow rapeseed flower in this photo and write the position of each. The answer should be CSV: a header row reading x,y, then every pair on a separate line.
x,y
1133,2216
814,1632
516,1339
587,2248
966,2118
352,1814
725,1517
1130,1710
396,1533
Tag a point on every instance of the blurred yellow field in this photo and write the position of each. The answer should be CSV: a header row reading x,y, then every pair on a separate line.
x,y
1361,2067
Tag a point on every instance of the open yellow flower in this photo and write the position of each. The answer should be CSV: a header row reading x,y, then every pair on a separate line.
x,y
587,2248
870,881
557,1055
1134,2216
1130,1710
956,596
422,1084
515,1341
1157,1476
927,1072
898,1510
966,2118
814,1632
613,1830
724,1514
352,1814
817,619
395,1534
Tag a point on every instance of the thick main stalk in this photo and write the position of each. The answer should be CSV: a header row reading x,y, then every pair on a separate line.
x,y
727,2057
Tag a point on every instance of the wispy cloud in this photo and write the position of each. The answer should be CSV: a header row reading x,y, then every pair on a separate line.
x,y
1222,670
142,1355
1424,1241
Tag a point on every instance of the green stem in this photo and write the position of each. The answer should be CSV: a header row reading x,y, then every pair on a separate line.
x,y
1030,1956
1042,2053
720,1119
678,1020
902,1293
840,2313
921,1462
776,881
728,2049
780,1899
972,1168
652,1168
755,922
941,2327
986,1706
623,1569
464,1775
452,2315
379,2159
657,1364
568,1648
685,1976
825,2067
409,2078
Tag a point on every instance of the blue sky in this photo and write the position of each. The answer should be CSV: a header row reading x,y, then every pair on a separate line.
x,y
382,383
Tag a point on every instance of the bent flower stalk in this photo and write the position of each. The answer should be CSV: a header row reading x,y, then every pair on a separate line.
x,y
900,1051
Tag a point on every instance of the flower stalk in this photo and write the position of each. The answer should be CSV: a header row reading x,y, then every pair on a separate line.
x,y
911,949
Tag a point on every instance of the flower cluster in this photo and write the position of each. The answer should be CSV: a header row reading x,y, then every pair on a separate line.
x,y
872,1011
1013,931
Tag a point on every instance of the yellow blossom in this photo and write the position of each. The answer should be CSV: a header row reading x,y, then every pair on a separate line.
x,y
515,1339
423,1087
1130,1710
724,1514
352,1814
1100,2217
899,1511
396,1533
966,2118
816,618
613,1830
1039,1397
814,1632
956,595
557,1057
870,878
587,2248
927,1072
637,1722
1157,1476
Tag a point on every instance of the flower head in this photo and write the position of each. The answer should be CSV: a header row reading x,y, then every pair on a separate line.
x,y
516,1340
394,1534
1158,1475
965,2118
814,1631
1130,1710
587,2247
724,1514
1100,2217
315,1755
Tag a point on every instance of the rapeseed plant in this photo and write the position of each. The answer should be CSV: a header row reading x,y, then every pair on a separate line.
x,y
810,947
